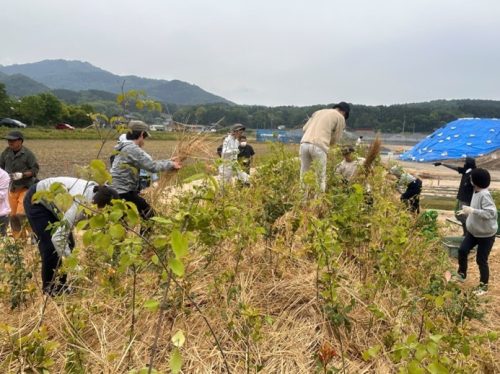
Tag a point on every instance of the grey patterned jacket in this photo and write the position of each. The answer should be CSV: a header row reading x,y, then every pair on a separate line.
x,y
126,165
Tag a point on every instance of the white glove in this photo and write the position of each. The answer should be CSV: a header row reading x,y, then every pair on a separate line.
x,y
467,210
16,176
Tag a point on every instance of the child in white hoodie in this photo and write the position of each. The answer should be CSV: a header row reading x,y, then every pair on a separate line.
x,y
482,227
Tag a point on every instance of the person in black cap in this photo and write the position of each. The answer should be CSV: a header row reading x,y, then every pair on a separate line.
x,y
129,160
349,165
323,129
482,226
466,189
22,166
229,155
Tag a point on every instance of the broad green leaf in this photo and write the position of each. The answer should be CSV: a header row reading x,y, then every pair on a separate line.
x,y
178,339
104,241
437,368
415,368
436,338
160,242
115,215
81,225
97,222
179,244
420,353
152,305
176,266
117,231
133,217
432,348
155,260
87,238
63,201
175,361
161,220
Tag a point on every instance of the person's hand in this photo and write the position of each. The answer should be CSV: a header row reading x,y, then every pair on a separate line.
x,y
176,163
467,210
437,163
16,176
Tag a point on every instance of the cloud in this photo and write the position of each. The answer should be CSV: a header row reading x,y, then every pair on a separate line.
x,y
274,52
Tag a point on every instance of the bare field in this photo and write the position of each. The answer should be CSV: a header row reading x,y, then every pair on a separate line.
x,y
61,157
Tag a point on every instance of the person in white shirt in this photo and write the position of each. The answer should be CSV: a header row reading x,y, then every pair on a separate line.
x,y
4,202
349,165
229,155
53,247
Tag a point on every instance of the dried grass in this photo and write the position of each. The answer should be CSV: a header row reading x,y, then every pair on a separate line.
x,y
372,154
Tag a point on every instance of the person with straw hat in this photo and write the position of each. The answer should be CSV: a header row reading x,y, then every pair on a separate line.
x,y
128,162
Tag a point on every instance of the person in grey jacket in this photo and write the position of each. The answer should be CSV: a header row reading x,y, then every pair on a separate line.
x,y
54,246
128,162
482,226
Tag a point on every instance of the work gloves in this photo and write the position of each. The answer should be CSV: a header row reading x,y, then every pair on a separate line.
x,y
16,176
466,210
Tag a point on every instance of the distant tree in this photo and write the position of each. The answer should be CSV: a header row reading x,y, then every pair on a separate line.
x,y
5,102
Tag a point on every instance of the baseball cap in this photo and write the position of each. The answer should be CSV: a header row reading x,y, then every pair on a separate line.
x,y
343,106
347,150
237,126
14,135
136,125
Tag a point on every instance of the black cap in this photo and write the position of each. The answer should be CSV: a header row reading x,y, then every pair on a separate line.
x,y
343,106
480,178
237,126
14,135
347,150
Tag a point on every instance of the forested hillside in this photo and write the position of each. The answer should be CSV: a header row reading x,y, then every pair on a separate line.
x,y
81,76
415,117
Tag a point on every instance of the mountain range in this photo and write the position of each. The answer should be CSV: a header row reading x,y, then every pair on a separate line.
x,y
53,75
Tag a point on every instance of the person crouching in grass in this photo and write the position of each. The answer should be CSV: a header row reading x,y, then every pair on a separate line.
x,y
482,226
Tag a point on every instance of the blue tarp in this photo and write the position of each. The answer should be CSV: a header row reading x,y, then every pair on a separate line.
x,y
465,137
283,136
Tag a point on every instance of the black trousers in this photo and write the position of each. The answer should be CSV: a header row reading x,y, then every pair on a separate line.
x,y
39,218
412,195
484,246
142,205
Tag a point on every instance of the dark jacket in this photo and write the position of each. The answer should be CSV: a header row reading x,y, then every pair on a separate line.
x,y
23,160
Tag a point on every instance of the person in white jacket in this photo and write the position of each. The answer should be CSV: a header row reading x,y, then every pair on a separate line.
x,y
4,202
229,155
482,226
54,246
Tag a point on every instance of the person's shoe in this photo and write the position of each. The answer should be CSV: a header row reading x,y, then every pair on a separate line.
x,y
457,277
481,290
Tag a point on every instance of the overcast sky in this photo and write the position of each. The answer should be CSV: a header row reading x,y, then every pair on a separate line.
x,y
273,52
